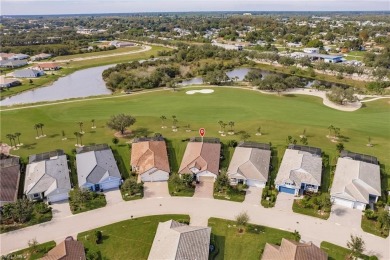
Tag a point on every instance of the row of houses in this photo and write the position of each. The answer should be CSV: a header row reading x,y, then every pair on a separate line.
x,y
356,181
20,56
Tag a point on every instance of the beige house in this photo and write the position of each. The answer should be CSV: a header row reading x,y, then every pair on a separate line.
x,y
292,250
201,158
174,240
149,159
69,249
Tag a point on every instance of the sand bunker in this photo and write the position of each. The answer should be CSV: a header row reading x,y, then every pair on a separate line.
x,y
202,91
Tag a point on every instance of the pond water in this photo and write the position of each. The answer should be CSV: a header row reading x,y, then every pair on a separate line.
x,y
82,83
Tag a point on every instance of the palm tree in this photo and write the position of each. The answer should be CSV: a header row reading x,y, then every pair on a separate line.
x,y
17,136
93,123
41,127
10,137
174,121
36,127
330,128
224,126
81,126
81,138
77,137
231,124
259,130
163,118
336,132
220,122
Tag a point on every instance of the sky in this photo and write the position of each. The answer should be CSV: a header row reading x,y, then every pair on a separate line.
x,y
41,7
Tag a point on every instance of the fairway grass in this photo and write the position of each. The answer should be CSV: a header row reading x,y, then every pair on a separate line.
x,y
278,116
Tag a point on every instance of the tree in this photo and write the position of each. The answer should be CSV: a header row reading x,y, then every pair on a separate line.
x,y
93,123
17,135
81,126
339,147
244,135
336,132
63,134
81,138
304,140
131,187
259,130
231,124
163,118
253,75
242,219
36,127
41,125
10,137
77,137
115,140
220,122
356,245
20,211
330,128
384,219
340,95
98,236
222,182
33,246
120,122
297,236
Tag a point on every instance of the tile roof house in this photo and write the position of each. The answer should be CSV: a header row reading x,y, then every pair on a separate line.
x,y
201,159
47,176
149,159
9,179
12,63
356,183
174,240
7,82
250,165
300,170
48,66
69,249
292,250
28,73
97,168
40,56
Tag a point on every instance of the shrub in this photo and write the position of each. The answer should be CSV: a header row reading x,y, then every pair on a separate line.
x,y
98,236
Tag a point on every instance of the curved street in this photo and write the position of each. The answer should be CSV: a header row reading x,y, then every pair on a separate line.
x,y
200,209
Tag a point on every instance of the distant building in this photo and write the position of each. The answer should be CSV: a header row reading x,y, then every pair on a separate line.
x,y
294,44
311,50
12,63
28,73
247,14
119,44
8,83
41,56
48,66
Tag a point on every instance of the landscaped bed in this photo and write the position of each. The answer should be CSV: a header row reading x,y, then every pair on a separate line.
x,y
40,213
375,223
32,253
230,244
129,239
181,186
232,193
85,200
315,205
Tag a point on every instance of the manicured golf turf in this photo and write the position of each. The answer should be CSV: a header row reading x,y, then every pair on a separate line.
x,y
278,116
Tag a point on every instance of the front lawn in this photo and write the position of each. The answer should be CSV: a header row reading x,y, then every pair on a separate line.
x,y
315,205
180,187
85,200
40,213
129,239
229,244
336,252
32,253
232,193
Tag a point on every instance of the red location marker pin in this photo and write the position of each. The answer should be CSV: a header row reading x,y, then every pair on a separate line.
x,y
202,132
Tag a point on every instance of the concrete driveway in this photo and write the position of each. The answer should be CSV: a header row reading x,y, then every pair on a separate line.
x,y
343,216
253,195
61,209
205,188
113,196
284,202
156,190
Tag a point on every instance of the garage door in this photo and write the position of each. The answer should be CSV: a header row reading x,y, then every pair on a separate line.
x,y
110,185
342,202
206,179
360,206
58,197
155,176
286,190
255,183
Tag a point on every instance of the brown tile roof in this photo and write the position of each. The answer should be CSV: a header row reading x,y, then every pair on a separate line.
x,y
9,179
66,250
149,154
291,250
203,156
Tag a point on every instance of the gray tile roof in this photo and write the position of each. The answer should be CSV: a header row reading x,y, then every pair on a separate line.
x,y
94,166
299,167
174,240
354,180
27,73
47,176
9,179
250,163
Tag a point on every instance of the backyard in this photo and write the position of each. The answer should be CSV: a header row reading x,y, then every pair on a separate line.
x,y
247,109
130,238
